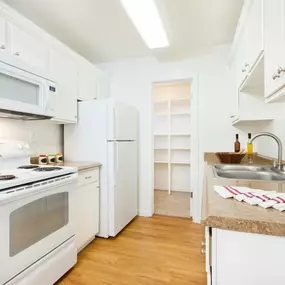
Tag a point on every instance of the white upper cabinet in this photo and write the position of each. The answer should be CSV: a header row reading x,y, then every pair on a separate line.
x,y
250,45
3,44
241,65
103,85
274,60
254,33
27,47
87,81
64,69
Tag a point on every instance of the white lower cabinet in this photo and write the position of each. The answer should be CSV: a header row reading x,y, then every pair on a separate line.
x,y
87,208
237,258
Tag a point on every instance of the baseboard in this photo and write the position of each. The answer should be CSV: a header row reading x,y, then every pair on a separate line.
x,y
145,213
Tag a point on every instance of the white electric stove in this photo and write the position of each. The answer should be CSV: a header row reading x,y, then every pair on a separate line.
x,y
37,242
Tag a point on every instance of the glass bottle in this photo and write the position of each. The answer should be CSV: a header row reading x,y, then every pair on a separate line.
x,y
237,144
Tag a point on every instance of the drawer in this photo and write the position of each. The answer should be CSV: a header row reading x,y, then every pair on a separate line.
x,y
88,176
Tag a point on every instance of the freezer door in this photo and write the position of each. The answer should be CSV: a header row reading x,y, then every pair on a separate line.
x,y
123,184
122,121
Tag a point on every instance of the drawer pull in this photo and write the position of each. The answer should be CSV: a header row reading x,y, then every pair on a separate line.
x,y
203,251
88,177
203,244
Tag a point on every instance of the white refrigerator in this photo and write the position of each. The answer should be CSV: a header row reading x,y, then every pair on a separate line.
x,y
106,132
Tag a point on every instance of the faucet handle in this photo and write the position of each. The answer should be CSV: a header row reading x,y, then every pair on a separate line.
x,y
275,164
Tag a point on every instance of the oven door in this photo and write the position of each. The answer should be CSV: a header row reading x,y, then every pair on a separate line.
x,y
34,222
25,92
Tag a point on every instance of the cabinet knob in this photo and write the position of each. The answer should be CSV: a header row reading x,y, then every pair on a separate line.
x,y
17,53
280,70
2,47
246,65
203,244
274,76
203,251
243,70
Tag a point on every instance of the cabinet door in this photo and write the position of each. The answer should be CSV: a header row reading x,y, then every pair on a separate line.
x,y
241,65
3,45
103,86
87,214
87,88
254,33
97,207
64,70
27,47
274,45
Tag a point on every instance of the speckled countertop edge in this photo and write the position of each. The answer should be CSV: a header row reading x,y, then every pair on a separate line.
x,y
229,214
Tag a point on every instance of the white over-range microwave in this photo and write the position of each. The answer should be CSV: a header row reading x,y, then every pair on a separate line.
x,y
25,93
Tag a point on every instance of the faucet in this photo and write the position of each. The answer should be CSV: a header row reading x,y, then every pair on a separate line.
x,y
279,143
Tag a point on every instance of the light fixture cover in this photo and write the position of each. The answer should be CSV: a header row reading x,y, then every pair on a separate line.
x,y
146,19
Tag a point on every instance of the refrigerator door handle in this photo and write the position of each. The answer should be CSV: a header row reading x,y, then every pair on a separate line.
x,y
117,159
116,162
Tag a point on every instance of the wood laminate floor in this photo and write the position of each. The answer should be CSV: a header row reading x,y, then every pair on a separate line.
x,y
150,251
177,204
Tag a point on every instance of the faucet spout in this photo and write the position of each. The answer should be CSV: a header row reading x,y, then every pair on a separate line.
x,y
279,143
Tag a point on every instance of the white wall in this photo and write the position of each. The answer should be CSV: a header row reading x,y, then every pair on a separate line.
x,y
268,146
131,82
44,136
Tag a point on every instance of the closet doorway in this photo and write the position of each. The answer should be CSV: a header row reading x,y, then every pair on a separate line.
x,y
172,153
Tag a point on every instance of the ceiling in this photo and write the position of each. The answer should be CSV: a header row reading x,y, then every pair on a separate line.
x,y
101,31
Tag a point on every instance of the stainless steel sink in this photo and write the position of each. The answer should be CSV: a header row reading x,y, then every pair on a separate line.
x,y
247,172
232,167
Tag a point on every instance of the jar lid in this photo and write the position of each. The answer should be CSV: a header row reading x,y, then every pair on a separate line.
x,y
51,155
59,153
43,155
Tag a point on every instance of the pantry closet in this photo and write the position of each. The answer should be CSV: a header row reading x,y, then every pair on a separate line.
x,y
172,154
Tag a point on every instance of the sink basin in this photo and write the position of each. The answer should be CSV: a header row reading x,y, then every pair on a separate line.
x,y
247,172
232,167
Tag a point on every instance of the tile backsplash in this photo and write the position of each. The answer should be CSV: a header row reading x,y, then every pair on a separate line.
x,y
43,136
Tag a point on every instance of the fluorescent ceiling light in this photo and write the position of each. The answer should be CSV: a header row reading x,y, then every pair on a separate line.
x,y
145,17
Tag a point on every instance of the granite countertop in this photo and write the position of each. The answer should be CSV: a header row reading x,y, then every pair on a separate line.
x,y
230,214
80,165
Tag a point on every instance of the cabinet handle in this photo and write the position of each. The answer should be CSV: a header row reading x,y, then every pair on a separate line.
x,y
280,70
88,177
17,53
243,70
246,65
3,47
274,76
203,244
203,251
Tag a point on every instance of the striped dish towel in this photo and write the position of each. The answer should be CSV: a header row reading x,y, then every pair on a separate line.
x,y
273,199
230,191
250,196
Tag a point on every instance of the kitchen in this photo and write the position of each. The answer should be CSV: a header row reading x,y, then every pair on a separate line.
x,y
89,93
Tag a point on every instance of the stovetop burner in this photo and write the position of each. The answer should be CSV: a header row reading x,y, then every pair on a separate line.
x,y
28,167
42,169
7,177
